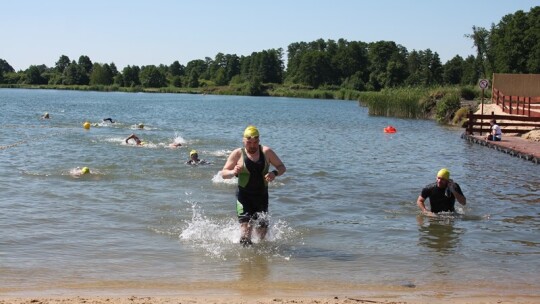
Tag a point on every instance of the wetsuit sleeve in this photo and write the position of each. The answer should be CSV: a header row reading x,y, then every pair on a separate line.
x,y
426,192
458,189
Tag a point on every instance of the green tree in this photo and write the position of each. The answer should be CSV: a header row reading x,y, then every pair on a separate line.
x,y
514,43
75,75
86,64
424,68
33,75
388,65
119,80
131,76
176,69
471,74
314,67
196,67
62,63
453,70
114,70
193,80
355,82
232,67
350,59
480,37
151,77
5,67
101,75
295,53
532,39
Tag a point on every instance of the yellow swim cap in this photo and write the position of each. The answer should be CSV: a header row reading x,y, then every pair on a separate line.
x,y
85,170
443,173
192,152
251,131
86,125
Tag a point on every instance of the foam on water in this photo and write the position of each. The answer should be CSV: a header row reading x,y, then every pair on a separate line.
x,y
217,179
219,238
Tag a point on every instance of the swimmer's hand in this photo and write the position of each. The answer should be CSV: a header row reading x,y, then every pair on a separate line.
x,y
429,213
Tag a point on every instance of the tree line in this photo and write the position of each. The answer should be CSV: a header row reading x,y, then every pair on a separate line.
x,y
511,46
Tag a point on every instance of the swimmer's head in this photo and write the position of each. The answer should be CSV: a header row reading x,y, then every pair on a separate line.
x,y
85,170
251,132
141,126
444,173
193,152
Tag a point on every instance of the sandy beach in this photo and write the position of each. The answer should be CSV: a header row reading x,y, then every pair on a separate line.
x,y
262,300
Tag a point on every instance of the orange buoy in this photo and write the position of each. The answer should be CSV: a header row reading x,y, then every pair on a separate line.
x,y
390,129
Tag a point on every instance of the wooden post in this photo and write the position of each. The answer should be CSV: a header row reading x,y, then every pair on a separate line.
x,y
510,105
529,98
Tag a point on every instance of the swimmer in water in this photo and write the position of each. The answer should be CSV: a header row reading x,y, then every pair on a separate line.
x,y
80,171
138,142
194,159
108,119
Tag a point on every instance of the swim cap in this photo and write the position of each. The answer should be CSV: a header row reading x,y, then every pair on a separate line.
x,y
443,173
86,125
192,152
251,131
141,126
85,170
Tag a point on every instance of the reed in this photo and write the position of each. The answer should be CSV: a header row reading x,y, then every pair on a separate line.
x,y
401,102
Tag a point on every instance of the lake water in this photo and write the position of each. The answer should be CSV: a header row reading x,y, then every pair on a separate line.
x,y
343,217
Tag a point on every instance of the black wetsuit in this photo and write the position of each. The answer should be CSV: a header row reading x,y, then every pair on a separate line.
x,y
440,199
252,192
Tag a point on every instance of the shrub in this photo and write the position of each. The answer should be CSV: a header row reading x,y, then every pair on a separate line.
x,y
460,116
467,93
446,107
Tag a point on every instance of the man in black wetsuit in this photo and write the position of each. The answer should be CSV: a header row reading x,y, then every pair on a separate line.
x,y
251,165
442,194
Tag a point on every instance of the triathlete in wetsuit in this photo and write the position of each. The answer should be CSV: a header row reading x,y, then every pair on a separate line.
x,y
442,194
251,165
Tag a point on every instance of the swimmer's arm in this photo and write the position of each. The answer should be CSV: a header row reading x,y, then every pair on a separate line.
x,y
460,198
421,204
274,160
231,167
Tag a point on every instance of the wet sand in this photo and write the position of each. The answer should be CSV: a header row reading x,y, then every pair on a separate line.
x,y
265,300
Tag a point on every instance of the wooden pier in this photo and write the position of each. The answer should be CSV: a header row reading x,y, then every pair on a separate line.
x,y
513,145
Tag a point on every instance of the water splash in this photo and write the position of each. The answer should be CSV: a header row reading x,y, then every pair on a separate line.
x,y
219,238
217,179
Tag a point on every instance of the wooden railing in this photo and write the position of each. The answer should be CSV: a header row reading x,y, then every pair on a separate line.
x,y
478,123
514,104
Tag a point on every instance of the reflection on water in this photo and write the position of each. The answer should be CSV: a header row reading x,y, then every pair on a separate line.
x,y
438,233
254,272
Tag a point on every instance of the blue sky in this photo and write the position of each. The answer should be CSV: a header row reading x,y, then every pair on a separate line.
x,y
134,32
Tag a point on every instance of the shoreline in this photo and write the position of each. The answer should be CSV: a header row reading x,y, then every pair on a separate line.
x,y
341,299
276,293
